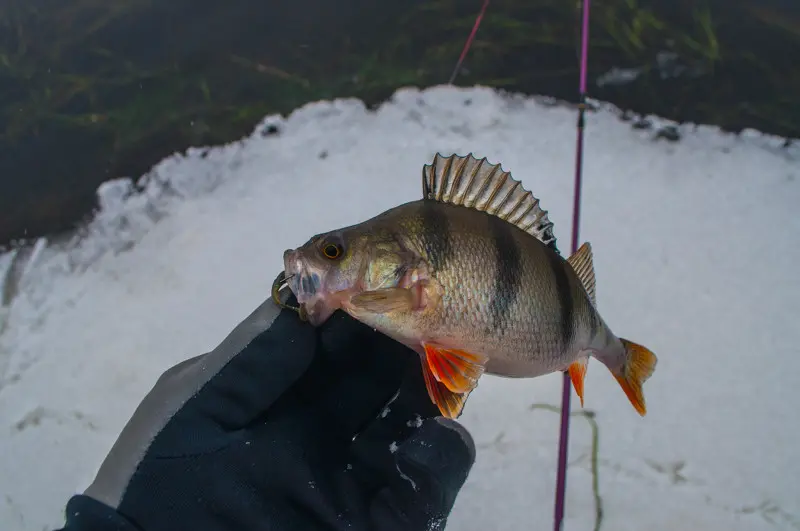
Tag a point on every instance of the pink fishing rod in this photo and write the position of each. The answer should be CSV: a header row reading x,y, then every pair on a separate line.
x,y
566,394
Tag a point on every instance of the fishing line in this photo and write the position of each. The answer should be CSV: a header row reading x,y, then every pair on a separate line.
x,y
467,44
563,444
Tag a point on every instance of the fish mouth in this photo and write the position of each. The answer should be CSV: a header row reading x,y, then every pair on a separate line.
x,y
306,285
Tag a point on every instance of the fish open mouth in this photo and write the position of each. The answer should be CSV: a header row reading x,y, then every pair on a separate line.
x,y
303,283
316,305
305,286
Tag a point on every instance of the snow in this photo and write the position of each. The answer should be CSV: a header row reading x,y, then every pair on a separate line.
x,y
695,249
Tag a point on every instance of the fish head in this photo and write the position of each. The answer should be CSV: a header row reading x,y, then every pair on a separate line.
x,y
330,268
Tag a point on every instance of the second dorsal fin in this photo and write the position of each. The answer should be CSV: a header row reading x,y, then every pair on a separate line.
x,y
583,265
478,184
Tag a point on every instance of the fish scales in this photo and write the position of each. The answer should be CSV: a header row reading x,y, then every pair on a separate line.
x,y
470,278
498,284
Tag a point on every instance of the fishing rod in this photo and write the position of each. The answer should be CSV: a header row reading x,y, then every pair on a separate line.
x,y
566,394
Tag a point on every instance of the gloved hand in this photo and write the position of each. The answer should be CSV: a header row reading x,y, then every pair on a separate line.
x,y
283,427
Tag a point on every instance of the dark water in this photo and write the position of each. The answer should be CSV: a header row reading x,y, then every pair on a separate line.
x,y
97,89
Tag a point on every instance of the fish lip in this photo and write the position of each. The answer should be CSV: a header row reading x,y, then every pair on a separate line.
x,y
305,285
308,288
293,270
292,264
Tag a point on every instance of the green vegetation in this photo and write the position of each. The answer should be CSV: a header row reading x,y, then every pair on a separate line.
x,y
96,89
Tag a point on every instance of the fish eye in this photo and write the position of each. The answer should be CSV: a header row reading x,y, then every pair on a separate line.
x,y
332,251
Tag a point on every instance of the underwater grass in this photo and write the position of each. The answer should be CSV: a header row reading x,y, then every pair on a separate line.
x,y
112,86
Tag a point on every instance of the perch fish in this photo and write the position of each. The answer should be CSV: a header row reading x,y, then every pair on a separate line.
x,y
471,279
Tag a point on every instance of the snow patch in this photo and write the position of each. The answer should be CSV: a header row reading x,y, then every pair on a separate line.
x,y
174,260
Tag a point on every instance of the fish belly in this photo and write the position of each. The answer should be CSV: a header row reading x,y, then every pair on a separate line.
x,y
507,296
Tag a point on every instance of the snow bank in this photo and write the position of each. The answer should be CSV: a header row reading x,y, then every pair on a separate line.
x,y
695,254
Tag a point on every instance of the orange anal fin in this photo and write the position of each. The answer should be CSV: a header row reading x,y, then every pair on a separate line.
x,y
456,369
577,372
638,367
450,404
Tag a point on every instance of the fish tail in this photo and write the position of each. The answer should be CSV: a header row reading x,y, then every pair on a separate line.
x,y
639,365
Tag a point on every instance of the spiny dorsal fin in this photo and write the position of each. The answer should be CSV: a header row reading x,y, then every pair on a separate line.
x,y
583,266
478,184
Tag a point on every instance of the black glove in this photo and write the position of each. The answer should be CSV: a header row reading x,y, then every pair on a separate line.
x,y
283,427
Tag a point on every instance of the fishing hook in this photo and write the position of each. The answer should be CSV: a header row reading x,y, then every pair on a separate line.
x,y
281,283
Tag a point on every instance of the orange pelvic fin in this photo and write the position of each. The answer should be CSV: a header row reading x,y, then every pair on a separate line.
x,y
577,372
639,365
456,369
450,404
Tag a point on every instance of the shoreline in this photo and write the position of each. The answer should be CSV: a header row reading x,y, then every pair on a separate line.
x,y
119,110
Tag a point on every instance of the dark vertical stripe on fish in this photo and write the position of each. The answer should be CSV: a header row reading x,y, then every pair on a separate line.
x,y
436,231
594,321
507,271
566,302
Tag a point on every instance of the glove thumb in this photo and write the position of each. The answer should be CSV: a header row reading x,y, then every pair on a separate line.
x,y
432,465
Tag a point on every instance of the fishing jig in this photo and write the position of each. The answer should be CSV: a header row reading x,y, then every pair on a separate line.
x,y
281,283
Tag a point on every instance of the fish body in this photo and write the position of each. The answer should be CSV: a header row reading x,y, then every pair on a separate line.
x,y
471,279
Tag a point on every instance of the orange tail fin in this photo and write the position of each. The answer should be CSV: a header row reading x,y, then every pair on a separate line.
x,y
639,365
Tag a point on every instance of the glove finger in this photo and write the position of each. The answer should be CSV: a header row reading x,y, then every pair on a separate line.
x,y
356,372
373,449
252,367
432,466
193,401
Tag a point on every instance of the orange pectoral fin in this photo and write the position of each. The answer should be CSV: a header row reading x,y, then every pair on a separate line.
x,y
383,300
456,369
